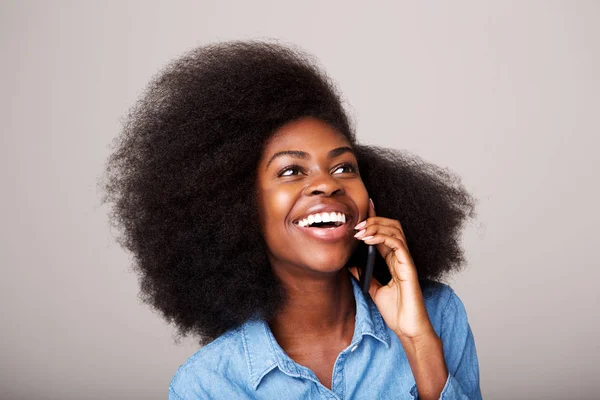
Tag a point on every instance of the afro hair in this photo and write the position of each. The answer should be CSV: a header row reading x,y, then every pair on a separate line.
x,y
181,183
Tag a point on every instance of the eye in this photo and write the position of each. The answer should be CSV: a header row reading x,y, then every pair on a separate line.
x,y
345,168
290,170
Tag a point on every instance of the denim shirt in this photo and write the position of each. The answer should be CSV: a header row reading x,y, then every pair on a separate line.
x,y
248,363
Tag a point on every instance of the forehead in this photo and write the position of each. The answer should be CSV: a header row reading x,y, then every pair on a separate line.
x,y
305,134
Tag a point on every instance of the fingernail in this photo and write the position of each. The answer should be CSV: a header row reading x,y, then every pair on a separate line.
x,y
372,205
360,233
367,238
361,225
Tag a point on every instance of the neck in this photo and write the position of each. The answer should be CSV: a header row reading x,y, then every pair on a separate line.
x,y
317,307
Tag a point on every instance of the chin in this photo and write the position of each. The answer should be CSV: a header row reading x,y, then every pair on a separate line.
x,y
328,262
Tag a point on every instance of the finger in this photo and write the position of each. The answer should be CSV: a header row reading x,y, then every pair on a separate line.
x,y
391,246
386,230
372,225
388,246
387,222
380,221
371,214
373,219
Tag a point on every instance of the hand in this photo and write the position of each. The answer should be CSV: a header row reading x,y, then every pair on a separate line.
x,y
400,302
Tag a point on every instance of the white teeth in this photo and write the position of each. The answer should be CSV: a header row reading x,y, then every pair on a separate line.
x,y
323,217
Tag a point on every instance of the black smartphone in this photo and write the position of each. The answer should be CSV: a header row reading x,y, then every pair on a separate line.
x,y
365,278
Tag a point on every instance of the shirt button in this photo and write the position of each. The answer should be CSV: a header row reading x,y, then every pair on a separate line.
x,y
354,348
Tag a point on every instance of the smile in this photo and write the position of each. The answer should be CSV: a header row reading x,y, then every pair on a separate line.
x,y
325,226
323,220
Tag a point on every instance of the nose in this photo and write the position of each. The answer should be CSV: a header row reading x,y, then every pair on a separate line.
x,y
324,184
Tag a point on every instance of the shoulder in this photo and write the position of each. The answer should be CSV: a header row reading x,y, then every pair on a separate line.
x,y
437,295
219,364
443,305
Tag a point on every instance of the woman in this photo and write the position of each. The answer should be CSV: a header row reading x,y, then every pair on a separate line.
x,y
248,204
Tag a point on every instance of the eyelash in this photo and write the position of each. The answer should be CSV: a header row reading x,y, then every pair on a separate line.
x,y
351,166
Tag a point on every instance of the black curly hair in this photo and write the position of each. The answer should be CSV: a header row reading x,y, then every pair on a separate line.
x,y
182,184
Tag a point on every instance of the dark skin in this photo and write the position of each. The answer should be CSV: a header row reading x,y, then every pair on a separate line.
x,y
317,322
307,163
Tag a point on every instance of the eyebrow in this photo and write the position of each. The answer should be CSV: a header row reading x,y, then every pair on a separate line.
x,y
305,156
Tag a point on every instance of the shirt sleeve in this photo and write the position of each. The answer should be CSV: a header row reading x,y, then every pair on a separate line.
x,y
459,353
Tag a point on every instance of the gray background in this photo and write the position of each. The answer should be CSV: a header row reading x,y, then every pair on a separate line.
x,y
505,93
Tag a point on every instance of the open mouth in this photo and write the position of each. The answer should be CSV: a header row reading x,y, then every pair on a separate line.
x,y
323,220
326,226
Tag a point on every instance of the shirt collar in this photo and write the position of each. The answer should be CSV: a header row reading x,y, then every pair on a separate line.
x,y
263,353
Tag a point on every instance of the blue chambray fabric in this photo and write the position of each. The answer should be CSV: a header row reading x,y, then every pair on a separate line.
x,y
248,363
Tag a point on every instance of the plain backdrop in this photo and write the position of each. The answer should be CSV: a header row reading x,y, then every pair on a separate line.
x,y
504,93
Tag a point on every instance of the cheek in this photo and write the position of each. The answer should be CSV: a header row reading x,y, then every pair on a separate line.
x,y
275,208
277,204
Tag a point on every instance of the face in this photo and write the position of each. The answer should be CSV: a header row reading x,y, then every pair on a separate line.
x,y
310,197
